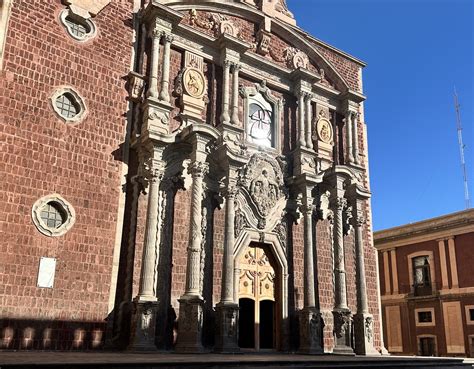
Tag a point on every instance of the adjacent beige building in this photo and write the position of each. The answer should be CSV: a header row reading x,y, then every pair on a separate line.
x,y
427,286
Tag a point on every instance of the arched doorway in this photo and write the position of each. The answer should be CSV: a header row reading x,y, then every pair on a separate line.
x,y
257,299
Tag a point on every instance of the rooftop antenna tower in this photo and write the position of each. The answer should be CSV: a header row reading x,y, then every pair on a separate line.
x,y
461,149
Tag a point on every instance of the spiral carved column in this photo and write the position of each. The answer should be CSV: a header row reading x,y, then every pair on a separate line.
x,y
227,309
191,303
311,324
145,304
341,313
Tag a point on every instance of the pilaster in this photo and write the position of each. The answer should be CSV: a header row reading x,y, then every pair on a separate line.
x,y
227,309
341,312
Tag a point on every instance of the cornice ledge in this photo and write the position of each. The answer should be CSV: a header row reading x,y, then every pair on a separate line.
x,y
156,9
303,74
353,96
226,41
446,222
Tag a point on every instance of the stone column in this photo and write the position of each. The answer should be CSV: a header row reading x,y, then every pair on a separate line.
x,y
355,136
227,309
235,95
311,325
191,303
309,121
342,314
363,321
225,117
165,77
301,120
145,304
349,149
154,60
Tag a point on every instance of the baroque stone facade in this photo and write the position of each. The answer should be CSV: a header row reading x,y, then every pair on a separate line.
x,y
243,217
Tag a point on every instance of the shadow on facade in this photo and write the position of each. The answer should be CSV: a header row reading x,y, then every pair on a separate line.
x,y
33,334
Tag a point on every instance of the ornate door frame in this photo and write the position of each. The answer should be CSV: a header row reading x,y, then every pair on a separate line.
x,y
246,238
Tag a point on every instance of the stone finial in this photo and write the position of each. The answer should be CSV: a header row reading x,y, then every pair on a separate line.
x,y
278,9
86,8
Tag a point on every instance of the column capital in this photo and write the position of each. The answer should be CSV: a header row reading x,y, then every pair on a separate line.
x,y
307,209
338,203
155,33
198,169
359,219
168,37
235,66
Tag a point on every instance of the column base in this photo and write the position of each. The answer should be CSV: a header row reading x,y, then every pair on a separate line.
x,y
227,328
190,322
342,332
311,332
142,330
364,335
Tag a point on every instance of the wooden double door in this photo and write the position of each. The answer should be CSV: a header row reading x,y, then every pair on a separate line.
x,y
257,301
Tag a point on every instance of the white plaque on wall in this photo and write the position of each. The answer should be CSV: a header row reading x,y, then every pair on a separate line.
x,y
47,269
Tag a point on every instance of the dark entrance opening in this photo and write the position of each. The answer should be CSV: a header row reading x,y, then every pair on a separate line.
x,y
267,328
247,323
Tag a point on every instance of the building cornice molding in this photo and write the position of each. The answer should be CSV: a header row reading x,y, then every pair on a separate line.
x,y
428,230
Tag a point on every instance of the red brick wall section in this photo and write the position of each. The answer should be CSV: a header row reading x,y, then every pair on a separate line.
x,y
40,155
298,264
325,277
464,259
180,245
348,69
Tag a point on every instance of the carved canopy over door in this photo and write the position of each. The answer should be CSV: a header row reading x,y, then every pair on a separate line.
x,y
257,281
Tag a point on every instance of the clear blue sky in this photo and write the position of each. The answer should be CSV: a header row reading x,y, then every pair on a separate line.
x,y
416,51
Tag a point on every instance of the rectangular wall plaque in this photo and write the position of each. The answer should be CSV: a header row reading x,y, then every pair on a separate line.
x,y
47,269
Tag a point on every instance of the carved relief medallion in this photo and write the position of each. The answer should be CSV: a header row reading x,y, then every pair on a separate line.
x,y
324,129
194,82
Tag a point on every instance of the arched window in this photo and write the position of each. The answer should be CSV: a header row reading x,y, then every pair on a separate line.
x,y
421,271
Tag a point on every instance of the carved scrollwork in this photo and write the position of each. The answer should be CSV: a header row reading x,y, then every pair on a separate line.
x,y
347,220
282,232
136,86
369,328
217,23
240,223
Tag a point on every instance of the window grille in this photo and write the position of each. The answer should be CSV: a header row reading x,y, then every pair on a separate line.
x,y
53,215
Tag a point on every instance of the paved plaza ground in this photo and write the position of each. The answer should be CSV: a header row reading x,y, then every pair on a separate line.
x,y
168,360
